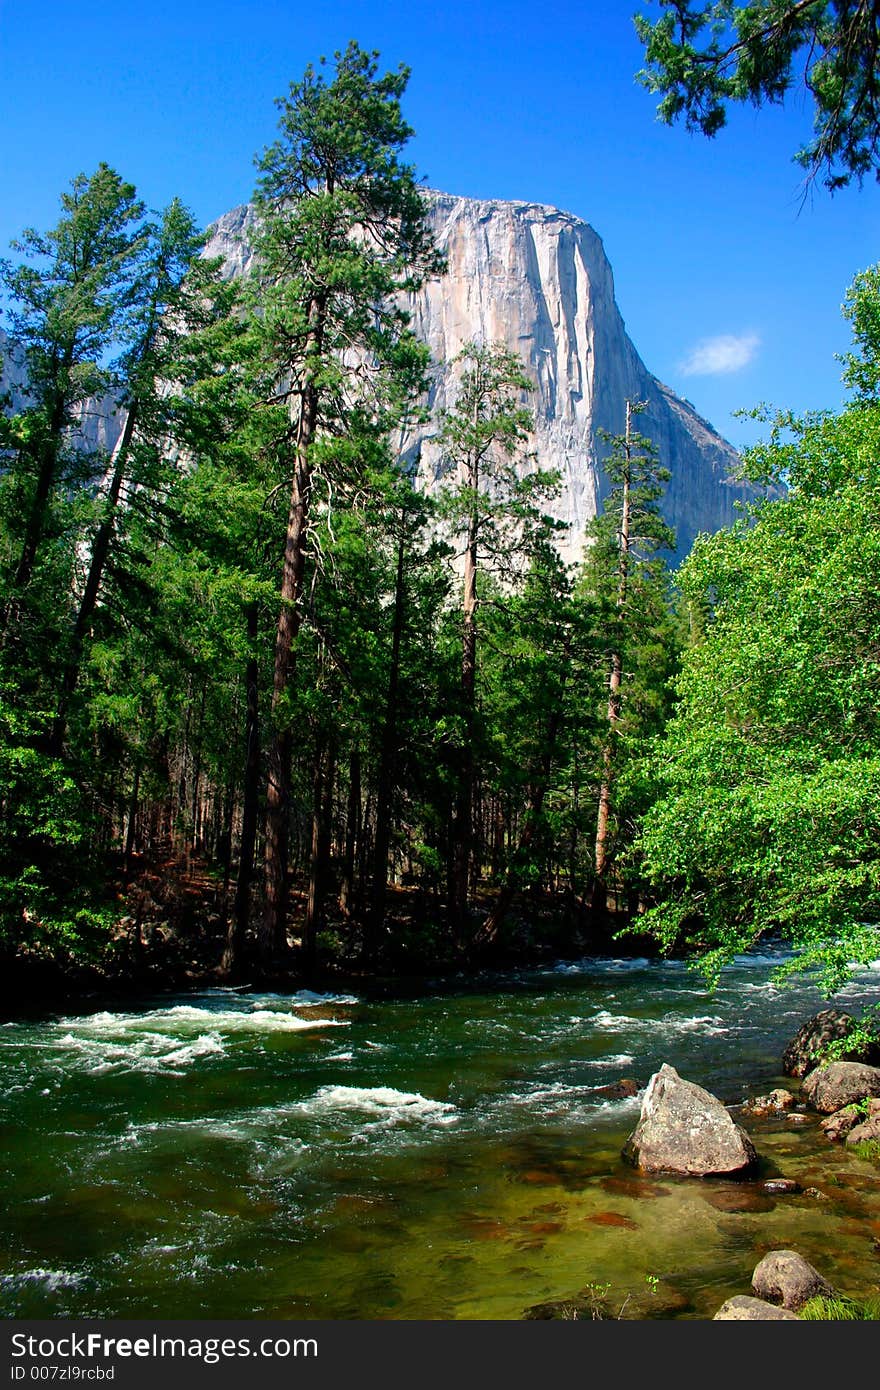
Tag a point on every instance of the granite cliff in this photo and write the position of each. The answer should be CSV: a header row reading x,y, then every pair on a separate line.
x,y
539,281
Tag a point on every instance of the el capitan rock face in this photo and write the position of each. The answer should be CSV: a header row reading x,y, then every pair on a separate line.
x,y
538,280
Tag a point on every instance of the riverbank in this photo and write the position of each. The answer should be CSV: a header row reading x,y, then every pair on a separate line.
x,y
171,932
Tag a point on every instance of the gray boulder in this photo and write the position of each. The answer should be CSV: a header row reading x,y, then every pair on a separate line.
x,y
804,1052
745,1309
684,1129
866,1132
831,1087
784,1276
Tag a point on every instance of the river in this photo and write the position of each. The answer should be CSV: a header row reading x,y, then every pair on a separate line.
x,y
238,1154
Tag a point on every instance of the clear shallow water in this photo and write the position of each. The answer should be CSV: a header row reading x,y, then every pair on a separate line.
x,y
235,1154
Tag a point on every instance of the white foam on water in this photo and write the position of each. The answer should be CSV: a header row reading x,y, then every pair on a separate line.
x,y
237,1021
167,1040
613,1059
52,1280
556,1094
616,1023
382,1102
708,1024
148,1053
339,1057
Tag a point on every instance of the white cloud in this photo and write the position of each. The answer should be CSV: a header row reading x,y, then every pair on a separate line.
x,y
725,353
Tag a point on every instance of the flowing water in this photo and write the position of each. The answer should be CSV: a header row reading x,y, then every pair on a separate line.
x,y
238,1154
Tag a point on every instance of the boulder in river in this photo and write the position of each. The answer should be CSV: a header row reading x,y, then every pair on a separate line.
x,y
775,1103
804,1052
837,1084
742,1308
865,1133
785,1277
838,1125
684,1129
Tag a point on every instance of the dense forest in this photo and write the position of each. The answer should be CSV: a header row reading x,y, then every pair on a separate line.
x,y
266,707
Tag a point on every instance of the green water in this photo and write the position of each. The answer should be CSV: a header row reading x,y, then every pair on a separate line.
x,y
234,1154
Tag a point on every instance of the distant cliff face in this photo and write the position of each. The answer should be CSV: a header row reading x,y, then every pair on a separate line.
x,y
538,280
98,422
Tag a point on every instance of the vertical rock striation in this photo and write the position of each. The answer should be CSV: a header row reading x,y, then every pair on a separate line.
x,y
538,280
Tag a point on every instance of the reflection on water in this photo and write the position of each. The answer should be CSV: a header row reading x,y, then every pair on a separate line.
x,y
234,1154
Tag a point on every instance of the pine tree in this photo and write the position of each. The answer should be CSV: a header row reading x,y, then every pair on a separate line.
x,y
621,568
342,232
495,512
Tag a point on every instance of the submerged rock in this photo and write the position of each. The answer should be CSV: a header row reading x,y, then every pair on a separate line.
x,y
775,1103
684,1129
742,1308
837,1084
785,1277
624,1089
781,1187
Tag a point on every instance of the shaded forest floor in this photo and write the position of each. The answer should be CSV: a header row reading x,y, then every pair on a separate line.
x,y
174,914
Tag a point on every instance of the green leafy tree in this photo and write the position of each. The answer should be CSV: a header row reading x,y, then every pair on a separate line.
x,y
494,508
173,296
703,55
766,815
342,233
629,585
69,293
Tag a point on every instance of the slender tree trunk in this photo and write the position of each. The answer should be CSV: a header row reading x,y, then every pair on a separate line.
x,y
614,685
322,822
464,806
352,835
233,956
46,476
273,934
387,759
537,796
132,823
89,600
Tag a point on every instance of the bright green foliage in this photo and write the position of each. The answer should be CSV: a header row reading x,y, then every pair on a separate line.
x,y
49,900
492,494
767,780
702,55
340,231
625,581
839,1308
70,294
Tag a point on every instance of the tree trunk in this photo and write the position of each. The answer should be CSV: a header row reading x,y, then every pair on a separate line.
x,y
234,954
464,809
273,933
537,796
352,835
322,820
46,473
614,686
387,760
89,600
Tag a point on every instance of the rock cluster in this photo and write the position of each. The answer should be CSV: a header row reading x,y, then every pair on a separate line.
x,y
783,1282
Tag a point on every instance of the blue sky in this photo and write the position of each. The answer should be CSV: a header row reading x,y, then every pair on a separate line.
x,y
731,289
